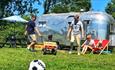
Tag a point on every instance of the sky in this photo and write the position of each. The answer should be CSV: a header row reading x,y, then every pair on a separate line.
x,y
97,5
40,7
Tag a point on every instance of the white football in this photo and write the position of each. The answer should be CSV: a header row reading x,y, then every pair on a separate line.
x,y
37,65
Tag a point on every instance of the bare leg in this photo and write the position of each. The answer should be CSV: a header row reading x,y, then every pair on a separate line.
x,y
31,45
33,42
90,47
84,49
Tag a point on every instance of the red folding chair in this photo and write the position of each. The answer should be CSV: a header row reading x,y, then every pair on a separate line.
x,y
102,48
96,42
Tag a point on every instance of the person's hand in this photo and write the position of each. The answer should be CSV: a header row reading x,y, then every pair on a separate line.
x,y
68,38
82,35
25,33
39,34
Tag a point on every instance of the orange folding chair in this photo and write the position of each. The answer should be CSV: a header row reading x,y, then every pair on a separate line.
x,y
102,48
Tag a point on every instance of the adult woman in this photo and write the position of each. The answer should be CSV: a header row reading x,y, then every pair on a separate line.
x,y
89,43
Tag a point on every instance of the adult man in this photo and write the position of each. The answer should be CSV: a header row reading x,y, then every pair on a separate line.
x,y
31,31
74,31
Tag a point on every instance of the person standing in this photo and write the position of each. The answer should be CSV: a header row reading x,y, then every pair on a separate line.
x,y
31,31
75,31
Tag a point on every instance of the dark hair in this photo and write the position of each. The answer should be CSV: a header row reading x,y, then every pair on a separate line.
x,y
33,16
76,16
88,36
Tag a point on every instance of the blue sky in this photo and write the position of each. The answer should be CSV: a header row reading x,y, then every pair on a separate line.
x,y
40,7
97,5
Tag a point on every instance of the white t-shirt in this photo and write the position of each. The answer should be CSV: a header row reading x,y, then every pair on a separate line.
x,y
90,43
76,28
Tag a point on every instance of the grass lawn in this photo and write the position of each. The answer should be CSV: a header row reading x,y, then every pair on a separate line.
x,y
19,59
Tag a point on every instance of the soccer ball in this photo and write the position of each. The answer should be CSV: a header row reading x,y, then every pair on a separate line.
x,y
37,65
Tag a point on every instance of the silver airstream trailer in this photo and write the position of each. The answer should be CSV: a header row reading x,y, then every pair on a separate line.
x,y
99,24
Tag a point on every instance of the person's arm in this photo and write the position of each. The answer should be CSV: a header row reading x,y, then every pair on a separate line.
x,y
69,31
37,30
25,33
82,29
83,43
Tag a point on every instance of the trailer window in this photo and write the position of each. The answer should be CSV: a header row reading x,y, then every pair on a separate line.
x,y
42,23
112,28
85,24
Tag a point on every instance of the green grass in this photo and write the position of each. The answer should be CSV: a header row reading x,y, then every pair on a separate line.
x,y
19,59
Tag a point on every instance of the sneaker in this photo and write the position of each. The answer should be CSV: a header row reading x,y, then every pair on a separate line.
x,y
33,50
78,53
70,52
28,48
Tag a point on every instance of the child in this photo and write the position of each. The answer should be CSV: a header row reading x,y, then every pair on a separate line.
x,y
99,45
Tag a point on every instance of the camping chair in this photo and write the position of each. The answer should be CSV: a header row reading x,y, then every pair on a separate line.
x,y
102,48
96,42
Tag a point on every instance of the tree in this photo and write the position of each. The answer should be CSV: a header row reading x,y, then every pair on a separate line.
x,y
48,4
110,9
9,8
62,6
20,7
3,3
60,9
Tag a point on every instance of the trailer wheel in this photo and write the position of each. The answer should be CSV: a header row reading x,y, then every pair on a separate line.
x,y
54,51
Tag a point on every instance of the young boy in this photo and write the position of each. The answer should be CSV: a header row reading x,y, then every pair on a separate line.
x,y
31,31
